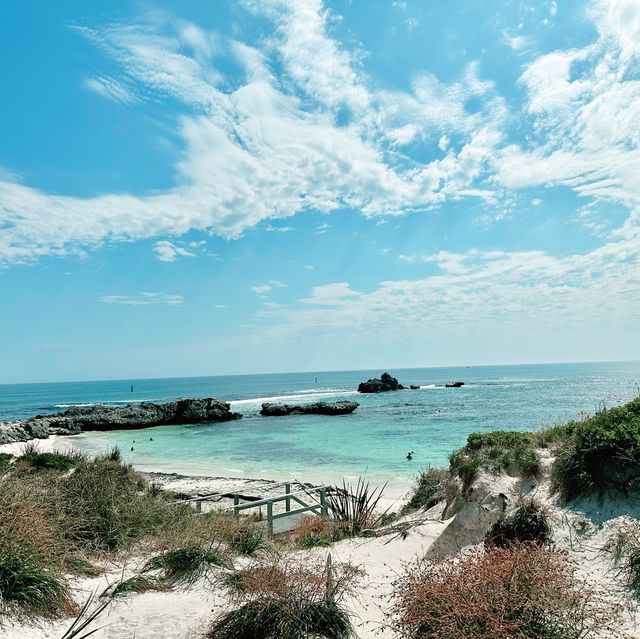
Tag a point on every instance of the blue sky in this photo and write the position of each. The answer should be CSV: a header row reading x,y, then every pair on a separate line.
x,y
193,188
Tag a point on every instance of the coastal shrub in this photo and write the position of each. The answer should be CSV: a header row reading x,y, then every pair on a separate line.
x,y
356,508
137,584
529,523
624,545
288,599
187,565
54,460
5,462
523,591
28,586
312,531
431,488
105,506
600,454
248,539
496,451
80,566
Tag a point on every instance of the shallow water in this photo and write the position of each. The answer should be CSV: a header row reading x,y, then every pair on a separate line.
x,y
374,440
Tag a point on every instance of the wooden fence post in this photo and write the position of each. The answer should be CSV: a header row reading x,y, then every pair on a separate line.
x,y
236,501
270,519
323,502
330,586
287,491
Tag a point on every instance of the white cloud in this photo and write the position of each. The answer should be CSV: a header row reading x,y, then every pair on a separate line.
x,y
167,251
111,89
144,298
262,290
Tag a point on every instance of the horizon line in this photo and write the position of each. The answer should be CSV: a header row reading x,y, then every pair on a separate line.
x,y
320,371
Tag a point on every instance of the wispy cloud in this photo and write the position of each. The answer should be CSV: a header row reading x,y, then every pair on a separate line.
x,y
111,89
262,290
168,251
144,298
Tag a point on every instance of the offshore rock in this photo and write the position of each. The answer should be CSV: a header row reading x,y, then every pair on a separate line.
x,y
454,385
385,383
144,415
317,408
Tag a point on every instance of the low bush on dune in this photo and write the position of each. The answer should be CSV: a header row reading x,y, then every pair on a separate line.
x,y
432,487
312,531
136,584
529,523
105,506
624,545
287,599
186,565
32,458
5,462
496,451
523,591
600,454
28,587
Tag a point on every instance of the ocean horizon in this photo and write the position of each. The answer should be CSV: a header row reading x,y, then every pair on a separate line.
x,y
430,421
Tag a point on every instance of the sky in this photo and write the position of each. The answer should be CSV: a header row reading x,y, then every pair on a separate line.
x,y
210,187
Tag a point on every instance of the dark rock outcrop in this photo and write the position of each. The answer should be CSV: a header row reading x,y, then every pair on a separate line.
x,y
454,385
317,408
143,415
414,387
375,385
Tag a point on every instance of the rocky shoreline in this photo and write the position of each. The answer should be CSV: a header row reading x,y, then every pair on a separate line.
x,y
132,416
317,408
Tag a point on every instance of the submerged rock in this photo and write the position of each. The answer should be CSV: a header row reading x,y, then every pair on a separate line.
x,y
375,385
454,385
317,408
143,415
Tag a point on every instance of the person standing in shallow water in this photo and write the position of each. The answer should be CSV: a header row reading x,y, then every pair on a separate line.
x,y
410,455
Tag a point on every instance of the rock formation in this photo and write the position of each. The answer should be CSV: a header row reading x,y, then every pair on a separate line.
x,y
143,415
454,385
375,385
317,408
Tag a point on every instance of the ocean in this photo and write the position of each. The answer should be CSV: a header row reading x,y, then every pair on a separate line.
x,y
373,441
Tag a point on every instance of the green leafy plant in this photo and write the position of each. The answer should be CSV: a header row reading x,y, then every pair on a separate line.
x,y
529,523
356,507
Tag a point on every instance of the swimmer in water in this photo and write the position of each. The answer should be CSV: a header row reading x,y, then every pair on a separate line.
x,y
410,455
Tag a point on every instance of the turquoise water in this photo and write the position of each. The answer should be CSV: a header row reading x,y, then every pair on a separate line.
x,y
374,440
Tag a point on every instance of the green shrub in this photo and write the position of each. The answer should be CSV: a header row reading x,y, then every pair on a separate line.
x,y
29,587
277,619
5,462
137,584
249,540
105,506
496,451
600,454
431,488
287,599
529,523
355,508
54,460
187,565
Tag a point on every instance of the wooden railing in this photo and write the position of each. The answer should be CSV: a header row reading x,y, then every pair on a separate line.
x,y
319,495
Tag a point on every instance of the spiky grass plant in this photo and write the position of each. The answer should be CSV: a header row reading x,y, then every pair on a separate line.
x,y
85,617
624,545
356,507
287,599
249,540
184,566
137,584
29,588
